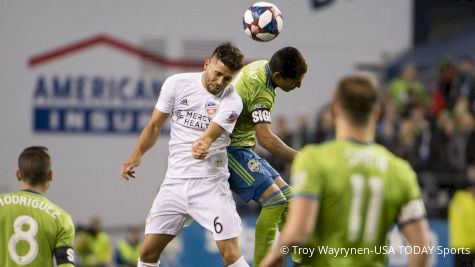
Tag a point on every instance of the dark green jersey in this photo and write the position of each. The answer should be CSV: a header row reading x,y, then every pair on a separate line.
x,y
362,189
254,86
32,227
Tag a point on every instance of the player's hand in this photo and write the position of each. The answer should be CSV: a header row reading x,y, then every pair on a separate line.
x,y
127,169
199,149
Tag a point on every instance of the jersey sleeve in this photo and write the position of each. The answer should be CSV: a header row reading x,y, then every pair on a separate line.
x,y
63,251
166,99
66,232
258,102
228,112
260,108
409,179
412,205
306,175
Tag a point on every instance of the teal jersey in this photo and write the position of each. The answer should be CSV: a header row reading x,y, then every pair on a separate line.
x,y
254,85
32,227
361,189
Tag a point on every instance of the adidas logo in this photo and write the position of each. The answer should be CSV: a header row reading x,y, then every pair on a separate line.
x,y
184,102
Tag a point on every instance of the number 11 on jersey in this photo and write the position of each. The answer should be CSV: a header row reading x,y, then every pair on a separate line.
x,y
358,184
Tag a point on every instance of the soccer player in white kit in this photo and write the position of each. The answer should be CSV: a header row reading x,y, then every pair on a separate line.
x,y
203,108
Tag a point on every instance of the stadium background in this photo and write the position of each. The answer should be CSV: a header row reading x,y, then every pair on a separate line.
x,y
54,54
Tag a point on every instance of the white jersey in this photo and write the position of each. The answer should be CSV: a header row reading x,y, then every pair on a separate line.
x,y
192,109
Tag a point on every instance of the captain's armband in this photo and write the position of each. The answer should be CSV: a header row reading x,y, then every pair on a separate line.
x,y
64,255
412,211
261,115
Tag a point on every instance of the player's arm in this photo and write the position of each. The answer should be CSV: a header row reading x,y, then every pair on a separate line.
x,y
223,121
64,253
415,229
417,235
412,215
272,143
147,139
64,256
300,224
200,147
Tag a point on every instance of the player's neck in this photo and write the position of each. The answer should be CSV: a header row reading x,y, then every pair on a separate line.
x,y
360,134
41,188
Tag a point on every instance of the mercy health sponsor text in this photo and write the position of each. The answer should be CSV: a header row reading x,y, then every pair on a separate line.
x,y
386,250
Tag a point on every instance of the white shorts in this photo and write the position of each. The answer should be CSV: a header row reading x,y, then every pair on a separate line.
x,y
208,201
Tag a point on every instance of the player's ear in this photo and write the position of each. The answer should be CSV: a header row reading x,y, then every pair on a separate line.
x,y
18,175
277,76
50,175
207,61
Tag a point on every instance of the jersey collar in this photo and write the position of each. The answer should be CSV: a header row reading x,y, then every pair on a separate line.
x,y
31,191
269,83
354,141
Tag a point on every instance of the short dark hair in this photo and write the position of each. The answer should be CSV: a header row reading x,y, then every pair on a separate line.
x,y
230,55
289,62
357,95
34,164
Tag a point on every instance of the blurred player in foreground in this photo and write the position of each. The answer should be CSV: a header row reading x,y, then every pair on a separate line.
x,y
461,217
350,191
204,111
252,177
34,229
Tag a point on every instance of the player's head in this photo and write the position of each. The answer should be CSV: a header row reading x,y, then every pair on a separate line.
x,y
34,166
220,69
133,235
288,68
95,226
356,98
466,64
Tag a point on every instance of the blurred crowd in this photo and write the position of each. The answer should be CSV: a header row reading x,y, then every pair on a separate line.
x,y
94,247
432,128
